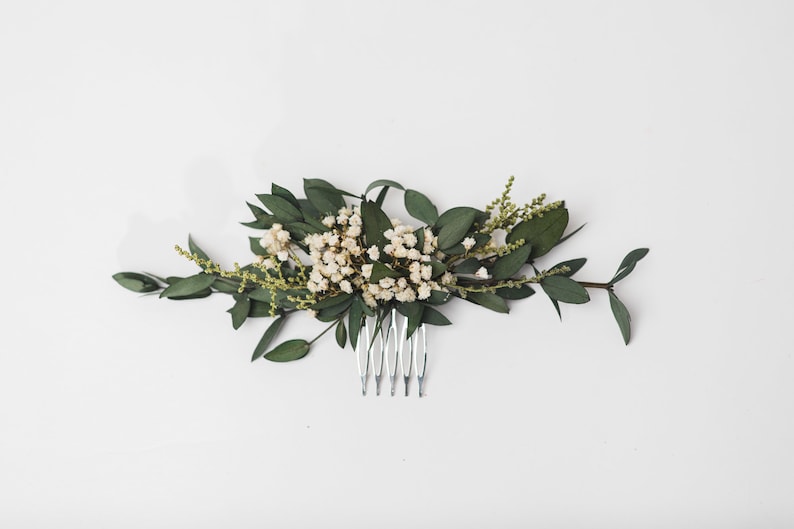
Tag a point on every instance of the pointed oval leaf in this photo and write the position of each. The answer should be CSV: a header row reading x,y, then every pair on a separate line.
x,y
284,193
628,264
564,289
331,301
433,317
622,316
288,351
509,265
375,222
354,319
270,333
541,232
574,264
383,183
469,266
281,208
194,249
136,282
489,300
412,311
240,310
323,195
419,207
341,334
455,227
521,292
188,286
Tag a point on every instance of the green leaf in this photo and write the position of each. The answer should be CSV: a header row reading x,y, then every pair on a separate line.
x,y
332,313
457,224
433,317
375,222
225,287
380,270
480,239
256,248
309,211
289,351
270,333
194,249
419,207
509,265
260,294
383,183
332,301
412,311
564,289
188,286
286,194
469,266
574,264
341,334
437,297
520,292
622,316
541,232
628,264
258,309
136,282
438,268
489,300
354,319
281,208
323,195
240,310
574,232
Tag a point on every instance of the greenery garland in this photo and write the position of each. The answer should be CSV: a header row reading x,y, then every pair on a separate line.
x,y
342,263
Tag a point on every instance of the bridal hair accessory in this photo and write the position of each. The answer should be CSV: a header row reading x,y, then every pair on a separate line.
x,y
379,282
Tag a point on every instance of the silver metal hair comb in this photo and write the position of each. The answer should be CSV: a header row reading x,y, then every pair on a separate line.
x,y
377,346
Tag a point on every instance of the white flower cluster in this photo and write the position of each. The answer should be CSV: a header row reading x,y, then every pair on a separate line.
x,y
276,241
341,264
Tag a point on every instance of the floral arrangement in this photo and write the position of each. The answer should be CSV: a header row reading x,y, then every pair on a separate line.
x,y
341,262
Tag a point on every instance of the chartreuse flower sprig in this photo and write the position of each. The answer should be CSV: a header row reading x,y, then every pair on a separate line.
x,y
340,258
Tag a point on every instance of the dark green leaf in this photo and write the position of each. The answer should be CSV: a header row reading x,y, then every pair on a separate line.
x,y
480,239
260,294
383,183
380,270
323,195
628,264
256,248
438,268
375,222
240,310
420,207
382,196
288,351
437,297
574,232
270,333
412,311
541,232
286,194
489,300
622,316
136,282
258,309
188,286
281,208
332,313
354,319
433,317
341,334
508,265
226,285
574,264
194,249
309,211
469,266
332,301
457,224
564,289
520,292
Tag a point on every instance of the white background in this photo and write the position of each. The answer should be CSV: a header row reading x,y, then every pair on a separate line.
x,y
126,126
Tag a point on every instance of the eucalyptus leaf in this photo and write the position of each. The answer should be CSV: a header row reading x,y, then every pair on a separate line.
x,y
375,223
420,207
510,264
332,301
456,226
519,292
469,266
433,317
289,351
286,194
383,183
188,286
574,264
628,264
438,268
380,270
622,316
341,334
259,309
281,208
480,239
270,333
568,236
136,282
564,289
240,311
354,319
332,313
194,249
412,311
438,297
323,195
541,232
261,294
489,300
256,247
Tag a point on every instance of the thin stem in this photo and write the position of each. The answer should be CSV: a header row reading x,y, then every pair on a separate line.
x,y
587,284
325,331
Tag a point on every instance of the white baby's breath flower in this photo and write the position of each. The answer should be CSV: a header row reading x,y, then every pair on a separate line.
x,y
311,313
386,282
482,273
366,270
373,253
427,272
329,221
400,252
448,279
406,296
414,254
354,231
469,243
423,292
283,255
345,286
409,239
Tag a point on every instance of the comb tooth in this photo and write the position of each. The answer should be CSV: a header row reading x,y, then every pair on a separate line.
x,y
421,333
